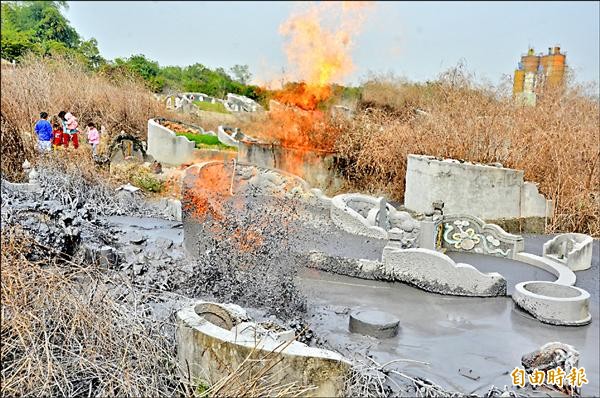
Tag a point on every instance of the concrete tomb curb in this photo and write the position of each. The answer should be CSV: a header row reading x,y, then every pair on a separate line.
x,y
435,272
168,148
553,303
210,334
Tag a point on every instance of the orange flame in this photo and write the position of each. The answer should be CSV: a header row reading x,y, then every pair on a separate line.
x,y
318,47
320,40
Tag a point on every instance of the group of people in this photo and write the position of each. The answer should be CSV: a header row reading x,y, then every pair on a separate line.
x,y
63,130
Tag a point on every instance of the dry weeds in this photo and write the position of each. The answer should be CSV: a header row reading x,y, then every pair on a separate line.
x,y
556,142
55,84
257,376
63,334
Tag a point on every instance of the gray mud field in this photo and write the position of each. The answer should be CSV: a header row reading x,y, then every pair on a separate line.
x,y
256,255
487,335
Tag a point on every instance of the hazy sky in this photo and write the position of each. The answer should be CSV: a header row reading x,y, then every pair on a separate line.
x,y
410,39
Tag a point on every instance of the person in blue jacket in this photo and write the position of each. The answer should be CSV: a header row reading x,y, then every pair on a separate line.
x,y
43,130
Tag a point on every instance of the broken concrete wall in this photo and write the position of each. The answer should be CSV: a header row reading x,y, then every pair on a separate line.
x,y
317,168
168,148
206,341
484,191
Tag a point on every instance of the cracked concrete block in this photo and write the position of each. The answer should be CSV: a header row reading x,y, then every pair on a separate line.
x,y
204,344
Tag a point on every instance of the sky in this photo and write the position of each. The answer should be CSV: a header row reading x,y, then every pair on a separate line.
x,y
413,40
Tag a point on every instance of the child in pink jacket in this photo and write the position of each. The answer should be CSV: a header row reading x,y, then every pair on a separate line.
x,y
93,136
70,132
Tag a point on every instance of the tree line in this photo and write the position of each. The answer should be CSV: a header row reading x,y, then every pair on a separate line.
x,y
40,27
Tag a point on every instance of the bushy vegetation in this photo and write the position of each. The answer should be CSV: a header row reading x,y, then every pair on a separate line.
x,y
40,27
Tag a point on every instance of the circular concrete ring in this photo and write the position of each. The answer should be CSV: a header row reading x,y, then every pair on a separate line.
x,y
215,314
553,303
374,323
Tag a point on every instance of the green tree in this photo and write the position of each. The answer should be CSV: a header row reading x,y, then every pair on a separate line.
x,y
54,26
40,26
89,49
241,73
146,69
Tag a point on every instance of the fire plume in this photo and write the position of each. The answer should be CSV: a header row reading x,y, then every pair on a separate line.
x,y
319,41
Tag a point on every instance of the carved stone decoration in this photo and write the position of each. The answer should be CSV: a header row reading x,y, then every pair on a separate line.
x,y
374,217
471,234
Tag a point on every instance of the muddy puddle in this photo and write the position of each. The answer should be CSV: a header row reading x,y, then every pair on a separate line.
x,y
487,335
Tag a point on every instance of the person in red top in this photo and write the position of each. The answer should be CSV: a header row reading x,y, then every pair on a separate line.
x,y
57,134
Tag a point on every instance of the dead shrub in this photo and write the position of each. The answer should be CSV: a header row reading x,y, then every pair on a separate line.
x,y
63,334
555,142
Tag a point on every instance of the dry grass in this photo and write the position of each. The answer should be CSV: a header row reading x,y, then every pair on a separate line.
x,y
55,84
63,335
556,142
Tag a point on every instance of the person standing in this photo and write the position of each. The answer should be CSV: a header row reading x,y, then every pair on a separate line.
x,y
70,132
93,136
43,130
57,132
